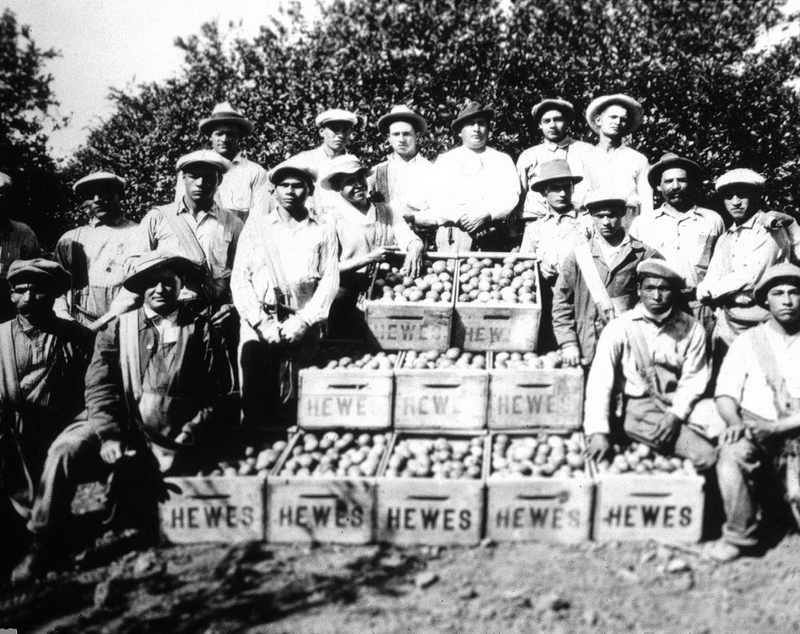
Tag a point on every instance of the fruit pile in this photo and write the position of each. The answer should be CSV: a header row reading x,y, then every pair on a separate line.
x,y
452,358
341,359
545,455
488,281
641,459
332,454
434,285
527,361
441,458
255,461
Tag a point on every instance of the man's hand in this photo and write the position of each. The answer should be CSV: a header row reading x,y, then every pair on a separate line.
x,y
667,429
772,220
223,315
293,329
471,225
704,294
598,447
733,434
413,262
111,451
269,332
378,254
185,438
571,355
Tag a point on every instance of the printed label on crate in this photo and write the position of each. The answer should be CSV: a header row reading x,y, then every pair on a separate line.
x,y
482,328
404,327
440,399
225,509
360,398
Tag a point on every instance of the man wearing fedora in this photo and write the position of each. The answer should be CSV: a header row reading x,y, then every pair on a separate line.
x,y
284,281
554,118
244,186
758,396
157,380
612,165
597,281
95,255
477,188
684,233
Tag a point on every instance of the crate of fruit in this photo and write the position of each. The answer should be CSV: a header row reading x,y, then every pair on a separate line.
x,y
644,495
498,306
432,489
441,390
527,390
347,388
323,489
405,313
539,488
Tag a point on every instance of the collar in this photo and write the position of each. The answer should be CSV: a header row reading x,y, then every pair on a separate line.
x,y
27,328
396,159
640,312
156,318
275,218
239,158
775,327
211,211
749,224
572,213
668,210
94,221
601,241
561,145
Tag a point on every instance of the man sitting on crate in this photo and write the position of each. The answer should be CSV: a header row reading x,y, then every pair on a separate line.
x,y
157,378
284,280
597,280
653,359
758,396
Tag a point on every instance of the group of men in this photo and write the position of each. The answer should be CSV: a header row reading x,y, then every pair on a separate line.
x,y
120,353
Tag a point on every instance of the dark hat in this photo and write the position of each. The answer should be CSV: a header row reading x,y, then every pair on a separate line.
x,y
225,113
152,261
341,166
87,183
602,199
551,171
51,274
472,110
280,171
740,177
204,157
778,274
402,113
669,161
634,108
653,267
565,107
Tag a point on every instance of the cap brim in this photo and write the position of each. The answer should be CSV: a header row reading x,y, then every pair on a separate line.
x,y
245,125
459,122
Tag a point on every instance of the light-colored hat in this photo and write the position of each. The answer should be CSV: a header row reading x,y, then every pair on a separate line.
x,y
5,181
335,114
552,171
634,108
778,274
225,113
402,113
668,161
740,176
565,107
46,272
280,171
87,183
653,267
152,261
204,157
601,199
472,110
341,166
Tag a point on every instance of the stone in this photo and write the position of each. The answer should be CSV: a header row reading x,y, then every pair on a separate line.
x,y
107,593
590,617
677,565
466,593
552,602
628,576
425,579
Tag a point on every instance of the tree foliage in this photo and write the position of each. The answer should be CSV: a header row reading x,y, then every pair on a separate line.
x,y
706,92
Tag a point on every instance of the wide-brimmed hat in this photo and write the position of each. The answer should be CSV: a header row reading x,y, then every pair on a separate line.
x,y
87,183
341,167
5,180
565,107
472,110
653,267
225,113
778,274
634,108
287,168
141,267
49,274
603,199
335,114
204,157
668,161
402,113
552,171
740,177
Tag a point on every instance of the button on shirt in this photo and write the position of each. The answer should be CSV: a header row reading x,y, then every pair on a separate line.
x,y
410,183
685,239
677,345
554,236
166,325
622,170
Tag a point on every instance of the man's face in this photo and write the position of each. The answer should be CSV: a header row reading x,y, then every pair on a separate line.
x,y
161,291
292,193
201,182
783,301
354,189
336,134
103,201
558,195
553,125
613,121
225,140
656,295
475,133
675,186
741,202
403,139
608,221
32,299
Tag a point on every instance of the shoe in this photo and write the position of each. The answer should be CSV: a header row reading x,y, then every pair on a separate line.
x,y
723,552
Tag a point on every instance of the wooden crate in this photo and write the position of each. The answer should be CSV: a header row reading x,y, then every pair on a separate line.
x,y
412,326
359,399
214,509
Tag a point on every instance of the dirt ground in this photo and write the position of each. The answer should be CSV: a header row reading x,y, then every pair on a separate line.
x,y
511,588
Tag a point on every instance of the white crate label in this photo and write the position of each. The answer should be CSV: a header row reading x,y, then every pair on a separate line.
x,y
649,511
525,404
488,335
540,511
343,405
422,517
407,329
321,510
431,404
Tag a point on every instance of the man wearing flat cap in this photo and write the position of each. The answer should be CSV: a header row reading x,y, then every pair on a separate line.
x,y
157,380
597,281
335,127
684,233
95,255
655,357
17,242
42,370
758,397
554,118
612,165
284,281
477,188
245,185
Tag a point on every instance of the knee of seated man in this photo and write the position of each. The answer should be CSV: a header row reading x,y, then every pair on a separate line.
x,y
739,454
705,457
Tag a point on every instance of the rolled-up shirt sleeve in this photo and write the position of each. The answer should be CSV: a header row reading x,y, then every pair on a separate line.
x,y
601,383
245,298
317,308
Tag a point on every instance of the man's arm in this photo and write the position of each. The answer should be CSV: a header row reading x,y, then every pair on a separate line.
x,y
105,396
317,309
505,187
644,190
564,326
603,378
